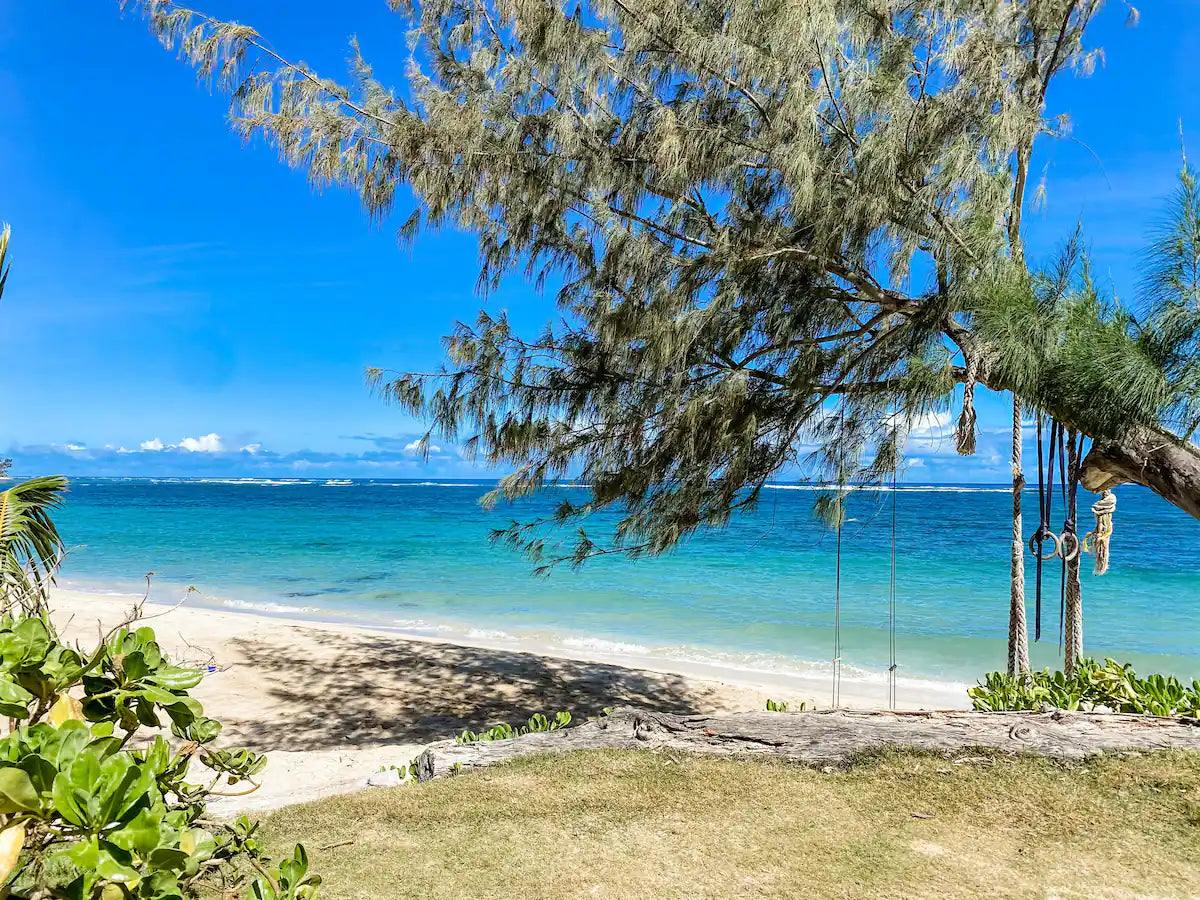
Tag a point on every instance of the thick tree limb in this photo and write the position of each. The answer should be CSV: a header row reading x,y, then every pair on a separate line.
x,y
832,736
1155,459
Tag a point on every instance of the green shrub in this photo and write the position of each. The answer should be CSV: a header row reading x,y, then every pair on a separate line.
x,y
1113,686
96,803
536,723
91,806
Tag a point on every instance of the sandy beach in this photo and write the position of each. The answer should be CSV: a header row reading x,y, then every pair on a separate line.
x,y
333,704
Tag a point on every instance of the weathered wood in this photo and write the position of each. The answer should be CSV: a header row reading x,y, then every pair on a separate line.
x,y
1156,459
832,736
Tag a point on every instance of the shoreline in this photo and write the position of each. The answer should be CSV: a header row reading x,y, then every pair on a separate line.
x,y
335,706
860,689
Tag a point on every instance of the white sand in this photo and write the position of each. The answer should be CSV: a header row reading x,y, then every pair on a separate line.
x,y
334,703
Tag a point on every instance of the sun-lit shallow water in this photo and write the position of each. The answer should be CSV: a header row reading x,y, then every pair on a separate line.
x,y
757,595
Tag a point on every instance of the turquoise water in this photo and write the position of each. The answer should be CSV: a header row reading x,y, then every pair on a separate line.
x,y
758,595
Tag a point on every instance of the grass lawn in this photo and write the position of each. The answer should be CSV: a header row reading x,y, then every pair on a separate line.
x,y
651,824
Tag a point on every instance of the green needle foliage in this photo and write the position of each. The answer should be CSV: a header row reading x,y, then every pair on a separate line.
x,y
777,232
1171,302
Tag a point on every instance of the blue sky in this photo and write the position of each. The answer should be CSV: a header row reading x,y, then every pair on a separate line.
x,y
183,305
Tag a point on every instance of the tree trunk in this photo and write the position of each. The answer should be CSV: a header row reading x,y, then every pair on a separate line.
x,y
1018,634
831,736
1151,457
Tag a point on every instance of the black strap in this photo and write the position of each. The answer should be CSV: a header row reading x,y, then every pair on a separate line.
x,y
1045,510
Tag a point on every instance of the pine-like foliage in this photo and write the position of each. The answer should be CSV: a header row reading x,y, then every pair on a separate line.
x,y
777,231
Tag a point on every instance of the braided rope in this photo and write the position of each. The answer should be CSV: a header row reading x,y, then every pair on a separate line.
x,y
964,434
1018,629
1097,541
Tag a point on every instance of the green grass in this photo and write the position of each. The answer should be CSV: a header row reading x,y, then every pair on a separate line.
x,y
650,824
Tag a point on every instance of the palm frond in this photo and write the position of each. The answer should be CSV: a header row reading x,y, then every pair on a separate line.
x,y
30,546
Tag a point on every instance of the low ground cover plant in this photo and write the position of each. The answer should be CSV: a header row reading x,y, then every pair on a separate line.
x,y
1112,685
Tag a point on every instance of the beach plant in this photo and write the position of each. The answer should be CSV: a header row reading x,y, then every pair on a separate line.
x,y
535,724
109,762
786,706
1112,685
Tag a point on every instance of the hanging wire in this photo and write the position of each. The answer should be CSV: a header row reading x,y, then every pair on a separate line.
x,y
837,576
837,610
892,605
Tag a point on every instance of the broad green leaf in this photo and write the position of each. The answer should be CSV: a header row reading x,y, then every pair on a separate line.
x,y
14,699
17,793
71,803
114,865
84,854
41,772
141,833
176,679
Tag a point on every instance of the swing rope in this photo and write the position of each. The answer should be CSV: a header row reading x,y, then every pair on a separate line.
x,y
892,606
837,572
837,616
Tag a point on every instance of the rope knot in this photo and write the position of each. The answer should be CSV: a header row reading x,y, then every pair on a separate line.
x,y
1097,541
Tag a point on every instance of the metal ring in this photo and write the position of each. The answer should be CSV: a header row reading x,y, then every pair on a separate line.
x,y
1075,552
1038,540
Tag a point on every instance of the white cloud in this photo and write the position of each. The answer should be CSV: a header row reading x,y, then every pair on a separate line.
x,y
76,446
414,448
208,443
252,448
152,444
932,435
931,425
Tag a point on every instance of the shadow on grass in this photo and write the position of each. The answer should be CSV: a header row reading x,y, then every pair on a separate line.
x,y
380,690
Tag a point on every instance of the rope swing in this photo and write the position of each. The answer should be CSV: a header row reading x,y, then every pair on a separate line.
x,y
837,608
840,512
892,605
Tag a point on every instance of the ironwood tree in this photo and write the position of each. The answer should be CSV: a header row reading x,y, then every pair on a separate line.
x,y
777,232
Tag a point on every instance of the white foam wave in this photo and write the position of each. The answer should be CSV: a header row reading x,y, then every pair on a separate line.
x,y
267,606
262,482
604,646
489,634
429,484
903,489
419,625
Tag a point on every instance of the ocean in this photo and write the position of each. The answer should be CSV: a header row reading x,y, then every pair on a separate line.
x,y
757,596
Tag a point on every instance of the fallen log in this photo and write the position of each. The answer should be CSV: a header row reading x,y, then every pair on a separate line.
x,y
831,736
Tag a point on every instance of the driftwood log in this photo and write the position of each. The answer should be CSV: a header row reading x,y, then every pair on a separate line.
x,y
832,736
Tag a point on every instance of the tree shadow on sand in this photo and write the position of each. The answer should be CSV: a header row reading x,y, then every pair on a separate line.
x,y
379,690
